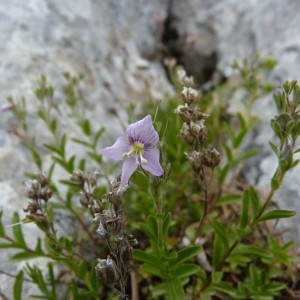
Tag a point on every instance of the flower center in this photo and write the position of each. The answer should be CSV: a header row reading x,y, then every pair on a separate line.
x,y
136,150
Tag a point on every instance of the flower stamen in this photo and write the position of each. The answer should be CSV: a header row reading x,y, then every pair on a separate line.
x,y
136,150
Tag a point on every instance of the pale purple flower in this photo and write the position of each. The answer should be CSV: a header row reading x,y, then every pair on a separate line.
x,y
6,107
137,147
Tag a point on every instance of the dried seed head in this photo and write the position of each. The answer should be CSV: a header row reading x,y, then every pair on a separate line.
x,y
184,79
42,179
211,158
45,194
198,129
195,159
95,206
189,114
84,200
189,95
93,179
77,178
186,134
106,269
32,207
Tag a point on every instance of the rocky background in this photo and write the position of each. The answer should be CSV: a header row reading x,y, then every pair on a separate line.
x,y
120,46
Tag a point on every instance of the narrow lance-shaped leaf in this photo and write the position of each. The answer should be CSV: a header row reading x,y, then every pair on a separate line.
x,y
244,218
276,214
185,270
166,224
221,232
185,254
2,230
218,250
17,290
255,201
17,230
145,257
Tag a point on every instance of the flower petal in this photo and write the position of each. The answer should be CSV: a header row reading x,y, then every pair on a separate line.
x,y
153,165
129,166
143,131
116,151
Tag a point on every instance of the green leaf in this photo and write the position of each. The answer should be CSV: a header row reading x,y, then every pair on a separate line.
x,y
255,201
36,156
25,255
275,149
228,152
217,276
53,126
38,247
98,136
153,270
96,157
148,231
175,289
228,199
239,139
244,218
245,155
63,142
51,277
276,214
277,128
225,287
10,245
145,257
184,270
53,149
222,173
252,250
86,127
60,162
17,290
275,184
81,142
17,230
166,224
218,250
70,163
2,230
159,290
81,165
242,121
221,232
185,254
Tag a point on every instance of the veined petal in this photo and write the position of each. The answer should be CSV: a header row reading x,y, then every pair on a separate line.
x,y
153,165
144,132
115,152
129,166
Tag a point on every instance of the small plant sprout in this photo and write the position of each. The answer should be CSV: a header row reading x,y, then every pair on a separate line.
x,y
137,147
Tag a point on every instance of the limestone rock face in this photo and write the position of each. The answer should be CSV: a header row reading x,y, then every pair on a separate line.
x,y
119,46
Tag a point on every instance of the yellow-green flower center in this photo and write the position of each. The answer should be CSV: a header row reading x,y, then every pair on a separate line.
x,y
136,150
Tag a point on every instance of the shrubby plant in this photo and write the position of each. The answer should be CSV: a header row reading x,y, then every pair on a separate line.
x,y
180,222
